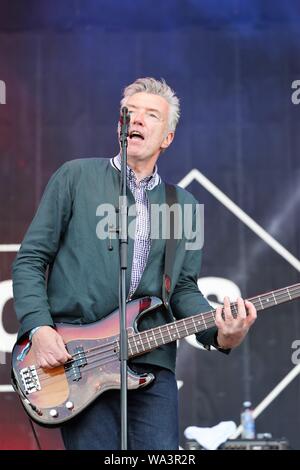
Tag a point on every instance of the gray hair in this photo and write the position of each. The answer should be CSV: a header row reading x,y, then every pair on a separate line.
x,y
156,87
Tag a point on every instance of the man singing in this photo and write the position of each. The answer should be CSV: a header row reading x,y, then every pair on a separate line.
x,y
83,275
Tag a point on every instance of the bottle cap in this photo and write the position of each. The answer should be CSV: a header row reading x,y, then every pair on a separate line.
x,y
247,404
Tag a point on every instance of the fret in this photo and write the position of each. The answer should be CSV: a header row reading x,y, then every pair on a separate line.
x,y
174,334
195,328
146,334
211,317
163,341
195,323
140,342
199,323
277,297
189,326
156,343
133,338
185,327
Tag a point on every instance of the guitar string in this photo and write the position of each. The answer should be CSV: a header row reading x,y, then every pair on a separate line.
x,y
257,303
100,361
187,319
107,355
147,337
140,335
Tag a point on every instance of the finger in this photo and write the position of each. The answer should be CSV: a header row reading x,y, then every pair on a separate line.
x,y
53,360
41,363
227,309
63,348
44,364
241,308
251,312
61,358
218,317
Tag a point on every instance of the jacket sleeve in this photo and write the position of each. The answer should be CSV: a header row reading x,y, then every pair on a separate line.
x,y
38,250
187,299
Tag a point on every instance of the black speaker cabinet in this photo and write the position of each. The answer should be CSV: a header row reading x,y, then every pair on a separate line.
x,y
245,444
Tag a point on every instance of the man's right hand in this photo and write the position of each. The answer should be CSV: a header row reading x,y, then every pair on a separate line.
x,y
49,348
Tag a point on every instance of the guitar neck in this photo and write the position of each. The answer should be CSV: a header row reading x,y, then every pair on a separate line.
x,y
148,340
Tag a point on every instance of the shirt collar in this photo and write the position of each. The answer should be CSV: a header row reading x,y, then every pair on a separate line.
x,y
149,181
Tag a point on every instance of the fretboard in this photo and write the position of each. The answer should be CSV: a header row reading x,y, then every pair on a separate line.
x,y
148,340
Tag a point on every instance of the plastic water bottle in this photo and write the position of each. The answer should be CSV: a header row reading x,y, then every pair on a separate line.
x,y
247,421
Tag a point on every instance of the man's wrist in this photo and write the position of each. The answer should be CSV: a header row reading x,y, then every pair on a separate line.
x,y
31,333
218,345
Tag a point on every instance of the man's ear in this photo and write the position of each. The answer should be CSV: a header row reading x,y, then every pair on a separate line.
x,y
167,140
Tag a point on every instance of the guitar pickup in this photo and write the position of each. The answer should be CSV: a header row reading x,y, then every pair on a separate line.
x,y
79,360
80,356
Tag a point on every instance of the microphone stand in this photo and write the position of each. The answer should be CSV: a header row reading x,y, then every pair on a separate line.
x,y
123,250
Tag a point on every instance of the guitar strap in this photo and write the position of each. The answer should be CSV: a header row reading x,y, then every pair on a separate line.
x,y
171,242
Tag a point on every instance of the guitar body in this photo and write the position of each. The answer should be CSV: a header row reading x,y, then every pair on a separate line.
x,y
53,396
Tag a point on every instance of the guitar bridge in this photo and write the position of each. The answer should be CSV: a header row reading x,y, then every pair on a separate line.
x,y
30,379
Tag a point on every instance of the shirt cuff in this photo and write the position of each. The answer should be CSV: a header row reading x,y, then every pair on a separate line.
x,y
216,345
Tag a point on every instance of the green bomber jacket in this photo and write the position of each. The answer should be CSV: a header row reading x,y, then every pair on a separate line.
x,y
65,273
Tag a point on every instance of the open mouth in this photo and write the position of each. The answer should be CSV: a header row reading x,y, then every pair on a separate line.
x,y
136,135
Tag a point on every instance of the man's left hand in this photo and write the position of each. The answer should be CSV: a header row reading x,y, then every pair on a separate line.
x,y
232,329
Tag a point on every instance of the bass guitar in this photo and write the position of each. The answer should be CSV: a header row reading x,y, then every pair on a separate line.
x,y
54,396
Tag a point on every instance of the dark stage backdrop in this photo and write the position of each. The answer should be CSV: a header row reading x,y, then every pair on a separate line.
x,y
62,67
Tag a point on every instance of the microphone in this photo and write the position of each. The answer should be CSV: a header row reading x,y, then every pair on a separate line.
x,y
124,122
125,116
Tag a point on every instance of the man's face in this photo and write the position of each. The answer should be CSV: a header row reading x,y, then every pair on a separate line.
x,y
148,129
